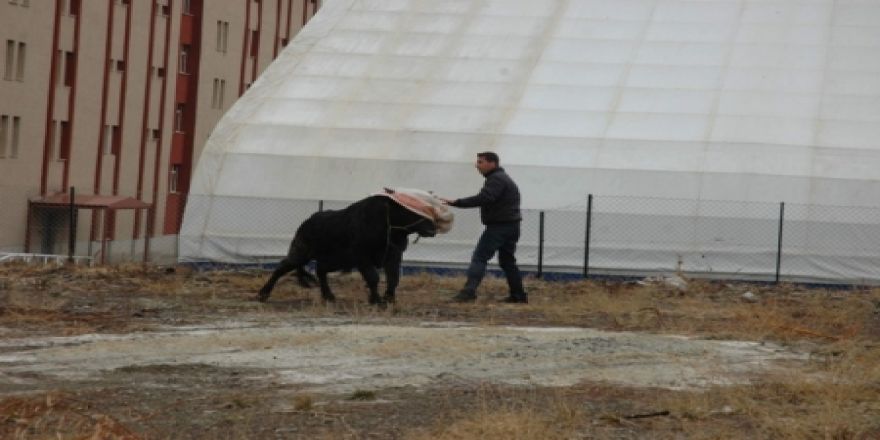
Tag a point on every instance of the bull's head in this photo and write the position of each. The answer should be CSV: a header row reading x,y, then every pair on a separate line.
x,y
426,228
435,216
409,221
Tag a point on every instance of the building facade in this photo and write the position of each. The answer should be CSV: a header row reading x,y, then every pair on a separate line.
x,y
115,98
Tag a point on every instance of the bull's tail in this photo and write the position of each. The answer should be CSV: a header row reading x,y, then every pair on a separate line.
x,y
296,260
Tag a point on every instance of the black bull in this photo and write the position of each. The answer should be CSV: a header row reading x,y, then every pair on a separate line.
x,y
368,234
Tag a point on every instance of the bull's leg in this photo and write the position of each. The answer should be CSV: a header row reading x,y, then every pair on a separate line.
x,y
305,278
392,274
284,267
326,293
371,277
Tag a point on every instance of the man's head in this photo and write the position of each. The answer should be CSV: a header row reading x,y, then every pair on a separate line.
x,y
486,162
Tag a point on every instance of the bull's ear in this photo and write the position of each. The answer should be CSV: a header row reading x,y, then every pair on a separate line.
x,y
389,190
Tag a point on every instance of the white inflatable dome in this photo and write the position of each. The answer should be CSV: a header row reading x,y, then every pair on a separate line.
x,y
701,101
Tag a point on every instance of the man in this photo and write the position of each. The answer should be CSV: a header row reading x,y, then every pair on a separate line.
x,y
499,211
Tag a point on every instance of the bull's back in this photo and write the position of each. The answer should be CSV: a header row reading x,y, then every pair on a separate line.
x,y
343,235
326,230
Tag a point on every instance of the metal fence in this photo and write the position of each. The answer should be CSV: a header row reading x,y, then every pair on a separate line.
x,y
620,236
628,236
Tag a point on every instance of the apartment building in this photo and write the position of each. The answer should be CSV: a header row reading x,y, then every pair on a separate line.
x,y
115,98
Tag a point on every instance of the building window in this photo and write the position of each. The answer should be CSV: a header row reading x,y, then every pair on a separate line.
x,y
4,128
173,178
59,66
166,10
15,59
187,6
222,35
225,35
222,93
178,118
160,72
10,60
108,139
61,139
112,140
19,73
10,133
255,43
120,65
156,134
116,146
54,136
69,68
219,93
215,93
184,59
16,130
73,7
64,139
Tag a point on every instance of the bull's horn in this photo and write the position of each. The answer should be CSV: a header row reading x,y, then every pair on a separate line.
x,y
389,190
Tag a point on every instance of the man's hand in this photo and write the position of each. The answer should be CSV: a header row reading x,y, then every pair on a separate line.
x,y
447,202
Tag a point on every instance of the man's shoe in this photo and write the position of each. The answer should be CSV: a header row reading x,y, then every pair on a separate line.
x,y
465,297
515,300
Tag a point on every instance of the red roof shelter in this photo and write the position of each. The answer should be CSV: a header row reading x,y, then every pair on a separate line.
x,y
107,204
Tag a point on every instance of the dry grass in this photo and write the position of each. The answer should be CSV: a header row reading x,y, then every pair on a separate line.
x,y
838,397
57,416
501,415
35,294
303,402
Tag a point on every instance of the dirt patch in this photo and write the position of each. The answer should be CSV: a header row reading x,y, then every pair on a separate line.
x,y
341,357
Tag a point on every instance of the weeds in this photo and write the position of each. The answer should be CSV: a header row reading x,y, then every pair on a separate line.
x,y
362,395
303,402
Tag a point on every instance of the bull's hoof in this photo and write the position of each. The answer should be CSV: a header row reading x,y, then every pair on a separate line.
x,y
262,297
378,302
328,298
389,299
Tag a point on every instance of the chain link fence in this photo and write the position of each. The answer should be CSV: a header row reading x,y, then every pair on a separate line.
x,y
601,236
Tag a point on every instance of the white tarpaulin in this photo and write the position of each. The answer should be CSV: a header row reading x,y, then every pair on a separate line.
x,y
703,100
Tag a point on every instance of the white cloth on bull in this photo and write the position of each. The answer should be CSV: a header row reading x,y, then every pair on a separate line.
x,y
423,203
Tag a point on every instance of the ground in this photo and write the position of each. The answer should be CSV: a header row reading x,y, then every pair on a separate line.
x,y
165,352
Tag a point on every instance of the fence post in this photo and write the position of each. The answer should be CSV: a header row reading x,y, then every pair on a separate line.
x,y
779,240
320,206
540,244
587,236
71,239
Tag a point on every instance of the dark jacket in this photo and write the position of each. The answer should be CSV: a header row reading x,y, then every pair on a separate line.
x,y
498,199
